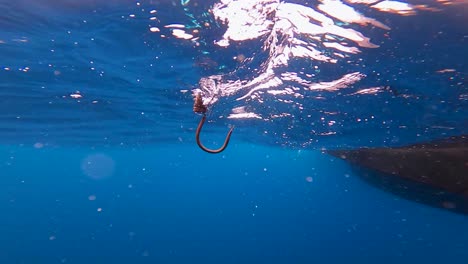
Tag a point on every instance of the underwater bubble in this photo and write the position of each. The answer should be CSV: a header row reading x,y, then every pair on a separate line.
x,y
98,166
38,145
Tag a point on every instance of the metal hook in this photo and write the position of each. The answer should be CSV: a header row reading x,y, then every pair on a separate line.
x,y
199,107
214,151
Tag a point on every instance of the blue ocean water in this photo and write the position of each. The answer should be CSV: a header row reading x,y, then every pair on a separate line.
x,y
99,162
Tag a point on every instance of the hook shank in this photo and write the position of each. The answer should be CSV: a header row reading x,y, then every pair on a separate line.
x,y
214,151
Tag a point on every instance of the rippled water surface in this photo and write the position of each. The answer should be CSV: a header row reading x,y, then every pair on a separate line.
x,y
124,72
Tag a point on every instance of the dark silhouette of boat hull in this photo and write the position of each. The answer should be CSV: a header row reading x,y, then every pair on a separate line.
x,y
433,173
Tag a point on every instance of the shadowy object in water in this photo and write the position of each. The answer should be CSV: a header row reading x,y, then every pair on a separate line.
x,y
433,173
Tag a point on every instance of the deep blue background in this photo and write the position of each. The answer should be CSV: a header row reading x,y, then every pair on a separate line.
x,y
175,204
166,201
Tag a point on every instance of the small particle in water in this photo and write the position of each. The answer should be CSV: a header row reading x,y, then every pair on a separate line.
x,y
446,70
449,205
240,58
154,29
98,166
92,197
76,95
38,145
99,209
309,179
52,238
